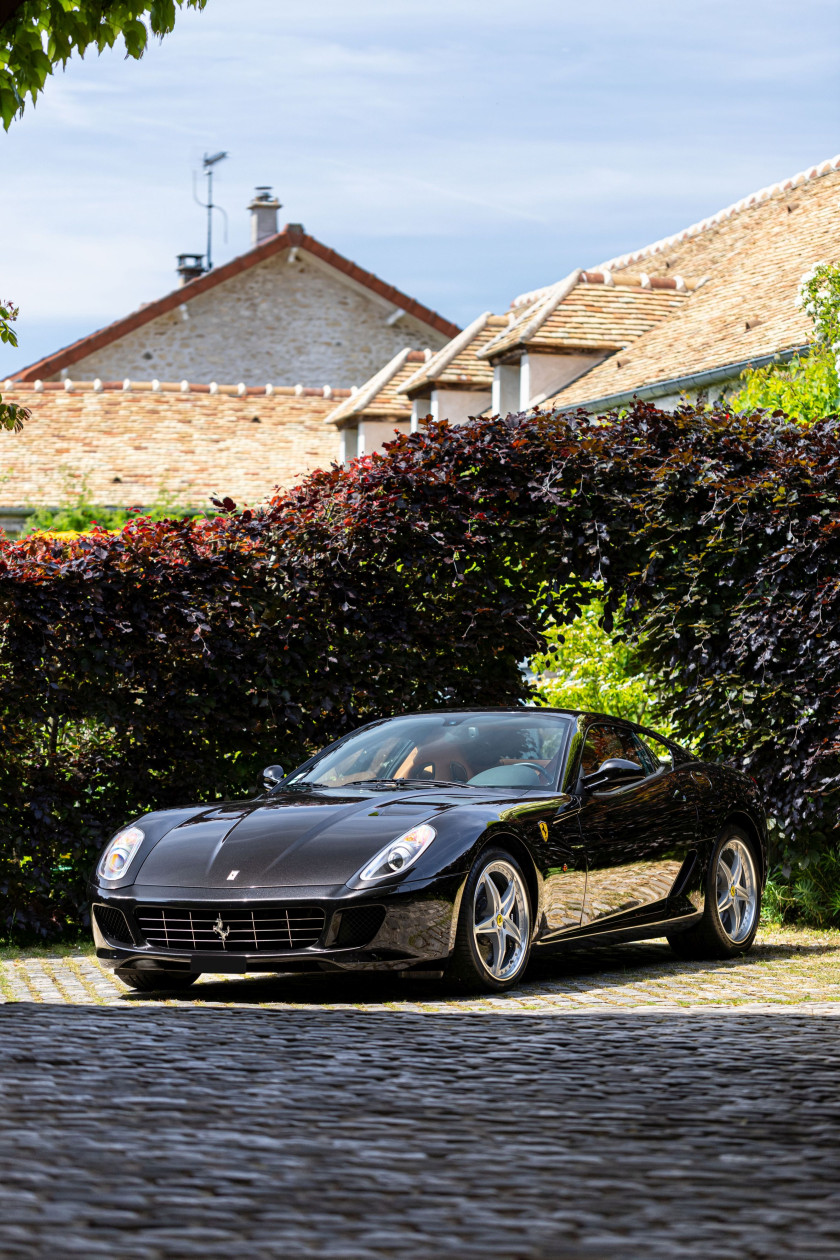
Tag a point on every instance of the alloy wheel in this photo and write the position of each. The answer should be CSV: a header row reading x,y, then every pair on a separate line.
x,y
501,920
737,890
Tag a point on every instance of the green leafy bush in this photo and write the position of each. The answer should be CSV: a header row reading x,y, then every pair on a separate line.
x,y
79,515
583,667
808,388
807,892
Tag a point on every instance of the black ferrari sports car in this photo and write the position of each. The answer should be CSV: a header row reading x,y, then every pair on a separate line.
x,y
450,844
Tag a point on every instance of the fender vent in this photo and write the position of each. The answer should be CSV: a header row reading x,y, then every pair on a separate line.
x,y
358,926
113,924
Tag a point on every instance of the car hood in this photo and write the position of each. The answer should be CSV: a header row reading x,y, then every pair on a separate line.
x,y
293,839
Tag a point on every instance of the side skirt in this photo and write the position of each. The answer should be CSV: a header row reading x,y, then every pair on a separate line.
x,y
604,934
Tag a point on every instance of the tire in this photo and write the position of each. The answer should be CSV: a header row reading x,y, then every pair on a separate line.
x,y
492,943
151,981
730,920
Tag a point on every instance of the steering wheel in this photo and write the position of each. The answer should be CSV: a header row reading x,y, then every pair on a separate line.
x,y
534,765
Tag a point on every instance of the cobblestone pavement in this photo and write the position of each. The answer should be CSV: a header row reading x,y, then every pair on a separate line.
x,y
785,967
183,1131
679,1110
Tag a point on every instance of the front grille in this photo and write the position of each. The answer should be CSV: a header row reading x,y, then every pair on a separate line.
x,y
265,929
359,926
113,924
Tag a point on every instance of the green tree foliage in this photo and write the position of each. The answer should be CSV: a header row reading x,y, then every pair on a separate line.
x,y
167,663
36,36
807,388
11,416
583,667
80,515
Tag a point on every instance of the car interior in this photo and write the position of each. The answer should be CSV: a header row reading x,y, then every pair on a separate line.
x,y
478,753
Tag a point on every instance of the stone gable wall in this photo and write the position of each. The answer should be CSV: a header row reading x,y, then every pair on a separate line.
x,y
276,322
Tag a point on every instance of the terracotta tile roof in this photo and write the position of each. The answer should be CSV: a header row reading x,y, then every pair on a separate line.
x,y
746,310
69,386
604,319
131,446
590,310
702,245
379,396
289,238
458,365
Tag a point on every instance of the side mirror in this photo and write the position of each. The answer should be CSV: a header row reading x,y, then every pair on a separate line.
x,y
612,772
271,776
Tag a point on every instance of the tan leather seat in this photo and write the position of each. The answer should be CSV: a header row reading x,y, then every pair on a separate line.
x,y
436,761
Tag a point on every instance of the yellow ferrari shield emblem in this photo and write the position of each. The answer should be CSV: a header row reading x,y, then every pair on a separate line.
x,y
544,830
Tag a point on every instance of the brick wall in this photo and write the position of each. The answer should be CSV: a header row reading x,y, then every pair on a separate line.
x,y
133,447
277,321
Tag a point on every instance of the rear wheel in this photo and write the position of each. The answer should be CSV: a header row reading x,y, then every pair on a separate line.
x,y
149,981
493,940
733,902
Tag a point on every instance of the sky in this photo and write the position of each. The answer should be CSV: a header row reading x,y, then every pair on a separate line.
x,y
464,150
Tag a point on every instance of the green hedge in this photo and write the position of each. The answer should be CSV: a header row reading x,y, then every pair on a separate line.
x,y
168,663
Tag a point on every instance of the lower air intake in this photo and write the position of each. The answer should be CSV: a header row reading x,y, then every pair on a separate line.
x,y
113,925
359,926
217,930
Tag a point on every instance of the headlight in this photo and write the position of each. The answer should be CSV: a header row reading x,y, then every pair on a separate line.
x,y
117,858
399,854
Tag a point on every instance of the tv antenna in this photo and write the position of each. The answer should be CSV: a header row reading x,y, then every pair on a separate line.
x,y
209,161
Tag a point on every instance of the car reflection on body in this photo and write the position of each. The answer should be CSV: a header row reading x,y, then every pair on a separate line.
x,y
454,844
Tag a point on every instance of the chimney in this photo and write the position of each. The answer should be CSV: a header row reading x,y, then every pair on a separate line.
x,y
190,266
263,209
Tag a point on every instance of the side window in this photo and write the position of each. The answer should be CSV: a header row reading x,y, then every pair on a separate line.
x,y
660,754
605,742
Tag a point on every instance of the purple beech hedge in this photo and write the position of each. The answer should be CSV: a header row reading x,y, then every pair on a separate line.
x,y
168,663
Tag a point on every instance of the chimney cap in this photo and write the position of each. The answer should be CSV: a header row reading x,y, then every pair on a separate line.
x,y
264,198
190,267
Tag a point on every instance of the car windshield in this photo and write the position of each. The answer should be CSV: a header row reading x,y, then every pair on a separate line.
x,y
518,750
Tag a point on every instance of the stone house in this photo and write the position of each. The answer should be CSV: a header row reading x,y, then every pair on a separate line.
x,y
288,311
221,386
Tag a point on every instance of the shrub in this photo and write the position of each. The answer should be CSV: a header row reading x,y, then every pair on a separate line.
x,y
808,892
79,515
807,388
583,667
168,662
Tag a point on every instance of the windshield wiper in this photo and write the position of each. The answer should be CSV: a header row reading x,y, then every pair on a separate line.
x,y
397,782
372,783
438,783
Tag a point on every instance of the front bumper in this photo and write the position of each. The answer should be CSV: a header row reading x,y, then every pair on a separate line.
x,y
410,927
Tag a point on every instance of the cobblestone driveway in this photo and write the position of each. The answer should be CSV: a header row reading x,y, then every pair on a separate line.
x,y
262,1119
786,966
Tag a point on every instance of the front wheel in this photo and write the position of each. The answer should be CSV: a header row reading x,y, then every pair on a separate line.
x,y
493,940
733,902
152,981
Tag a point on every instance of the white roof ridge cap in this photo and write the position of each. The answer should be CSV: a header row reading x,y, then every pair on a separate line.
x,y
440,361
367,392
702,225
533,319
